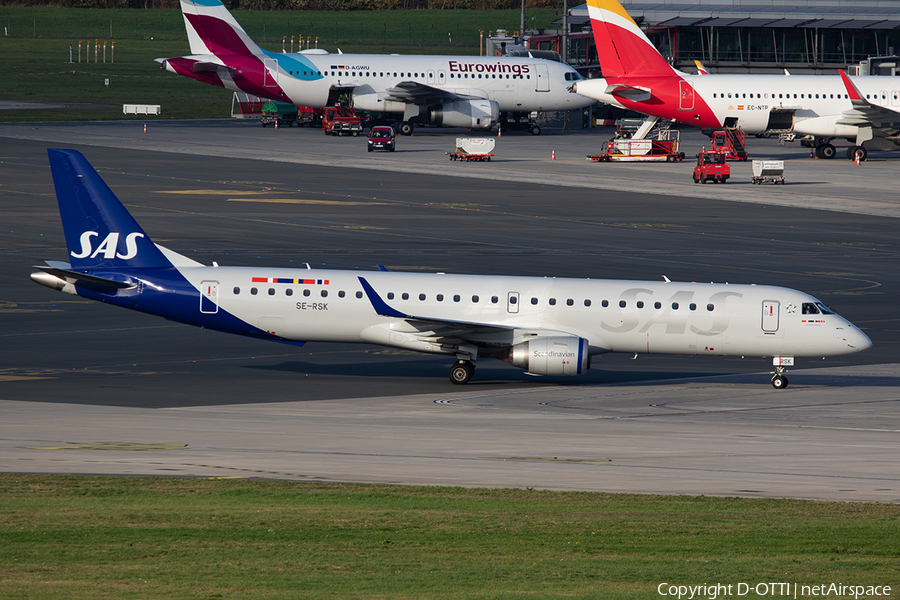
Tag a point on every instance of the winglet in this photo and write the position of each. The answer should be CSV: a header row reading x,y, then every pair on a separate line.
x,y
381,307
852,90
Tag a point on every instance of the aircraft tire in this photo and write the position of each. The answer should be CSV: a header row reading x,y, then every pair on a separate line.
x,y
405,128
535,130
828,151
462,372
854,150
779,382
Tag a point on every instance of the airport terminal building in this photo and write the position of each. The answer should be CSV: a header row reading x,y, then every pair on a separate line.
x,y
753,36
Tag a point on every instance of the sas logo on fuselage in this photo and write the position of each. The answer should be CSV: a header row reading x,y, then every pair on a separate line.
x,y
108,246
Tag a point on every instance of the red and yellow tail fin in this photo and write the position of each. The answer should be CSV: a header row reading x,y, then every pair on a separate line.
x,y
622,47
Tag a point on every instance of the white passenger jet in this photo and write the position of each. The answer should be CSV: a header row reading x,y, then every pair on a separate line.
x,y
865,111
546,326
458,91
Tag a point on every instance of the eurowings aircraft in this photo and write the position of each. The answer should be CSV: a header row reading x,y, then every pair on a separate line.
x,y
547,326
865,111
459,91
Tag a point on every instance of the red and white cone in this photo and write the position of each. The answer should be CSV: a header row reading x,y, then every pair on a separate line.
x,y
276,123
811,153
499,132
145,128
553,155
857,159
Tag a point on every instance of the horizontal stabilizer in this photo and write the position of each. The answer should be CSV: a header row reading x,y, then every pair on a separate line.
x,y
92,280
629,92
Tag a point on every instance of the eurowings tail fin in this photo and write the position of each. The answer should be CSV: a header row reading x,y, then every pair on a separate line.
x,y
622,47
99,230
211,29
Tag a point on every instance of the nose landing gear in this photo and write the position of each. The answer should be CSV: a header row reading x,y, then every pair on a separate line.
x,y
779,381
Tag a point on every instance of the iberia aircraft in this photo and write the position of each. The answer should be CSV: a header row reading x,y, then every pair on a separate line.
x,y
547,326
459,91
864,110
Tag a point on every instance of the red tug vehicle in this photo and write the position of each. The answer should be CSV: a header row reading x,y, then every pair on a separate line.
x,y
711,166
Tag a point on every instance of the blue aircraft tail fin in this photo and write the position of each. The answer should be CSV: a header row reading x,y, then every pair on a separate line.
x,y
100,232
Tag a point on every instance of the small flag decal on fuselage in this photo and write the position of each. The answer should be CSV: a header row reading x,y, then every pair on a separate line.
x,y
290,280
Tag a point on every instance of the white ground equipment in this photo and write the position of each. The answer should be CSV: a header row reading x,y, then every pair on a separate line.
x,y
473,149
765,171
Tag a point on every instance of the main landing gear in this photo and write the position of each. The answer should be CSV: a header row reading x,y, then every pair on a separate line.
x,y
462,372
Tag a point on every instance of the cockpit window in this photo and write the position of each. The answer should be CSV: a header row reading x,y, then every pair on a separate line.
x,y
810,308
573,76
825,310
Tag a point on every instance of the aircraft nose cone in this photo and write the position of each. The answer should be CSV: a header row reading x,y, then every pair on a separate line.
x,y
860,341
855,339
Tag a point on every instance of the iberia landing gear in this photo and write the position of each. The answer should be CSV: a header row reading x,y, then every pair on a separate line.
x,y
462,372
779,381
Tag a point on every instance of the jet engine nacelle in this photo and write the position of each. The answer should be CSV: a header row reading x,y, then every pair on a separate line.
x,y
475,114
824,127
558,355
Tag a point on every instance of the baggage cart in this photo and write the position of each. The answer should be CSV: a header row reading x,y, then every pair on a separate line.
x,y
768,171
473,149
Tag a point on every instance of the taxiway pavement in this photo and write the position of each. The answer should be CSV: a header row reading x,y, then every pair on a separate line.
x,y
76,375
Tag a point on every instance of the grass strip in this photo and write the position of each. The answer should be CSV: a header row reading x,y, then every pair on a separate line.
x,y
95,537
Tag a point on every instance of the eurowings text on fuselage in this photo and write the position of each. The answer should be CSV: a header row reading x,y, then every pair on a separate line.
x,y
548,326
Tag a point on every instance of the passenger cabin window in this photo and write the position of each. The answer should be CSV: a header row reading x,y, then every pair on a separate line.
x,y
237,291
475,299
570,302
494,299
534,301
390,295
440,297
552,301
640,304
405,296
253,291
456,298
359,294
622,304
710,307
657,305
341,294
587,302
288,292
605,303
271,291
421,296
306,292
693,306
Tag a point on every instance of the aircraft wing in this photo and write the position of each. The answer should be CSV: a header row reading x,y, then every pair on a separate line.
x,y
438,327
420,94
864,112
